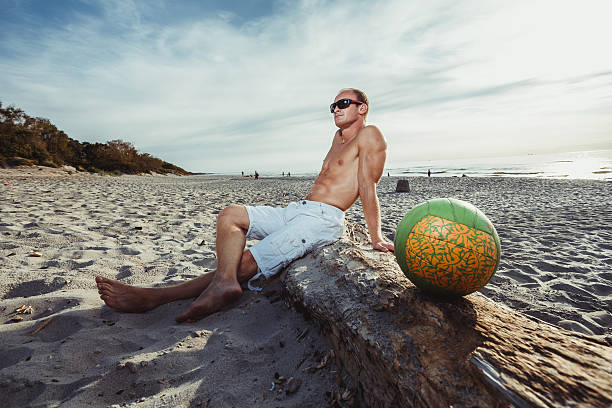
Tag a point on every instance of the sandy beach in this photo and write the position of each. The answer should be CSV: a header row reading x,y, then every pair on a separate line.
x,y
59,230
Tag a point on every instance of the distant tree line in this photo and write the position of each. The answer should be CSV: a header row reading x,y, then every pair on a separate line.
x,y
25,140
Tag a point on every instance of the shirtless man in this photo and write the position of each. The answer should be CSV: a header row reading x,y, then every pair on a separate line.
x,y
351,169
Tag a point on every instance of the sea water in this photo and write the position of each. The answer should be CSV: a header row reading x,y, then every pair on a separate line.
x,y
595,164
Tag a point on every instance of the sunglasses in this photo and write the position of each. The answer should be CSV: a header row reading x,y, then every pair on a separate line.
x,y
343,104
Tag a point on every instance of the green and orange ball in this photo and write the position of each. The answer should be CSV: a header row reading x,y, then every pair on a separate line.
x,y
447,247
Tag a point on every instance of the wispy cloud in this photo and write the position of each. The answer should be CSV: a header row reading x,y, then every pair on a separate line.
x,y
212,88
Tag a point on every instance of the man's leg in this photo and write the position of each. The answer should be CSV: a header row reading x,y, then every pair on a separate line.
x,y
127,298
224,288
232,223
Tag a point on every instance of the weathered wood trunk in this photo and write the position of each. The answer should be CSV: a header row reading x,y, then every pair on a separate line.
x,y
407,349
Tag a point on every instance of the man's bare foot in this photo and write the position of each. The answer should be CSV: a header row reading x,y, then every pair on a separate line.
x,y
217,295
125,298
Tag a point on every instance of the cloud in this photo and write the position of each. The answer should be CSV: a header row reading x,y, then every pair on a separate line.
x,y
216,89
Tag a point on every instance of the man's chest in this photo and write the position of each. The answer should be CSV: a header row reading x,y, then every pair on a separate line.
x,y
342,156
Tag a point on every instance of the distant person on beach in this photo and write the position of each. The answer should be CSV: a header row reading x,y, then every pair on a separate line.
x,y
429,173
351,169
288,174
256,175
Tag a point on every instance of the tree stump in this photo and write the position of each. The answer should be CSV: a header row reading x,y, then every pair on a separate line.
x,y
402,186
407,349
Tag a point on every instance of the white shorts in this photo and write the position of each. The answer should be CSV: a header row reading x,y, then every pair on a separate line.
x,y
291,232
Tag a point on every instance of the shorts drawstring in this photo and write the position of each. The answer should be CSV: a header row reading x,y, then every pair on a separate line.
x,y
255,288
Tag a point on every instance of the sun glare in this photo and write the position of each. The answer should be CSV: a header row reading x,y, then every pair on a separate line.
x,y
583,167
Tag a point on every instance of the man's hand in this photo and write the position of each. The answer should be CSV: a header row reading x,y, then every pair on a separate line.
x,y
383,246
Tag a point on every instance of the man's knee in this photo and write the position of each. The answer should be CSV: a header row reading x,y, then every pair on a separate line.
x,y
234,215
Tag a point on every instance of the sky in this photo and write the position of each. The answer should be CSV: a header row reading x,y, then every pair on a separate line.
x,y
230,86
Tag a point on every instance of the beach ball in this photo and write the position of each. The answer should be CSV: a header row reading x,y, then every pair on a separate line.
x,y
447,247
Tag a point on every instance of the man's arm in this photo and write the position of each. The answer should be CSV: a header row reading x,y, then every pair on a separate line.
x,y
372,155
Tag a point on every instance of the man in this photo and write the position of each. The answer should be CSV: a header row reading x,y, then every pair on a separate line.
x,y
351,169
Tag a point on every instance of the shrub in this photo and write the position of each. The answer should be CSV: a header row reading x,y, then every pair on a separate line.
x,y
49,163
20,161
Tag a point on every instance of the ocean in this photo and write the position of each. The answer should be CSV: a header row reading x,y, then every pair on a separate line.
x,y
594,165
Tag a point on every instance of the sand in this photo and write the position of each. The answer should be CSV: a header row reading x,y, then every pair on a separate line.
x,y
556,238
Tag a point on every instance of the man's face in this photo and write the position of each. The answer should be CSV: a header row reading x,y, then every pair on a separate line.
x,y
345,117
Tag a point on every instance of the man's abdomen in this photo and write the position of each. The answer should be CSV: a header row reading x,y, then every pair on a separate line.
x,y
340,196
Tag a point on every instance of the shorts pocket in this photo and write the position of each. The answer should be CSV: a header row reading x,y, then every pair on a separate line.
x,y
290,247
333,231
314,240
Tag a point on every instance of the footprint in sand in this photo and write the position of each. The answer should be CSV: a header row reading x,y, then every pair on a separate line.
x,y
575,326
210,263
37,286
552,267
11,356
129,251
520,276
62,326
601,289
71,265
125,271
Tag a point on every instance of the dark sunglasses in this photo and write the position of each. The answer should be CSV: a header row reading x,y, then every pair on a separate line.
x,y
343,104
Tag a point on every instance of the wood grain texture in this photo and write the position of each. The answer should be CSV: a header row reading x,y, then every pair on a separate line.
x,y
407,349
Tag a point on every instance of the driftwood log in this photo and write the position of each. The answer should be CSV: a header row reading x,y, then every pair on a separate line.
x,y
406,349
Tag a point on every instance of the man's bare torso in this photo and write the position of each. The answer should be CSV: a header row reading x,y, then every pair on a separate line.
x,y
337,183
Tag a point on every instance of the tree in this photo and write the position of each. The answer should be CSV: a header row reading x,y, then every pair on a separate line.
x,y
25,139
